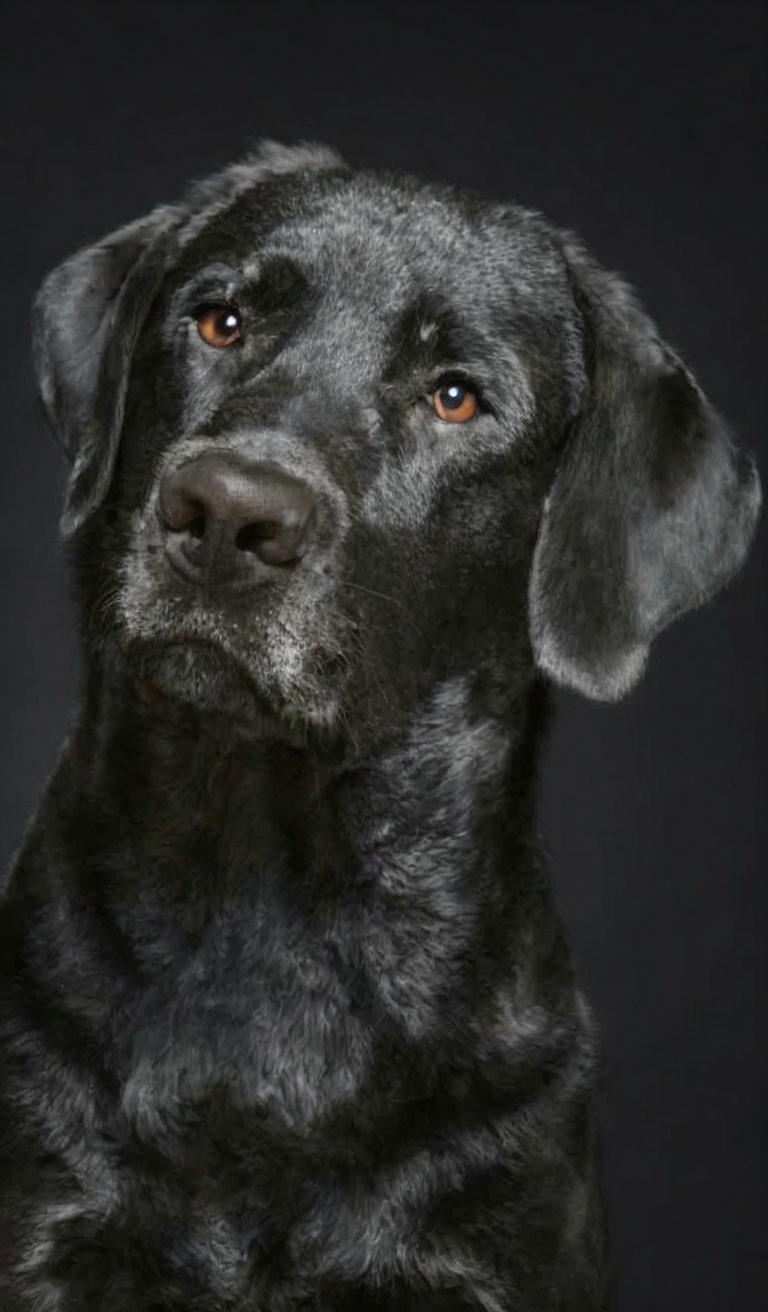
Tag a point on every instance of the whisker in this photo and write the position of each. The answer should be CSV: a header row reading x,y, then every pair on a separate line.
x,y
371,592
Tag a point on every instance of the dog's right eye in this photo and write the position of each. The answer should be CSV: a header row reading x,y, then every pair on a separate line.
x,y
454,401
220,325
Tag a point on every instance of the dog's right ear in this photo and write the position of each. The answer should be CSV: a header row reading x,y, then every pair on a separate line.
x,y
89,312
86,319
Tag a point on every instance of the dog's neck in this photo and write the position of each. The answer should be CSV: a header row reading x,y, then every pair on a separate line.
x,y
358,897
456,762
191,824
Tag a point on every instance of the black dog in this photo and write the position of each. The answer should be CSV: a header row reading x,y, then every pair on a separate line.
x,y
288,1021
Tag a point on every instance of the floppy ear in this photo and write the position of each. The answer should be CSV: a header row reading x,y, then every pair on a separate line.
x,y
86,319
90,311
651,509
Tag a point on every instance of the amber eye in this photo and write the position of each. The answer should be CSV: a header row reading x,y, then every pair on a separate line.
x,y
219,325
455,403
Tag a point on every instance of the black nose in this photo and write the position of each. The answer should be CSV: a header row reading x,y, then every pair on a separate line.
x,y
228,521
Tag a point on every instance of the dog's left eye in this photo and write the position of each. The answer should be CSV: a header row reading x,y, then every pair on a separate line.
x,y
220,325
455,402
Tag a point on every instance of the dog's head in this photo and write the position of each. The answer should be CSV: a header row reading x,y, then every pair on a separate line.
x,y
338,436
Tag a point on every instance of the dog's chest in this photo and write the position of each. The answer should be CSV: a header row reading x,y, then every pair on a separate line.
x,y
263,1032
259,1075
218,1154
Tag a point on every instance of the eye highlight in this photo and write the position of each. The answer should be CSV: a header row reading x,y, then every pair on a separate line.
x,y
455,402
220,325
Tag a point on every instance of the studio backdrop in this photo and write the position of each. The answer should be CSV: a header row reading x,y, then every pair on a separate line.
x,y
641,127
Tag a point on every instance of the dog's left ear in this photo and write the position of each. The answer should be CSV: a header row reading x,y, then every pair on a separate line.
x,y
86,319
651,510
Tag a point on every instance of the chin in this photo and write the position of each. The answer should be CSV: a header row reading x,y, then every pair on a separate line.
x,y
198,675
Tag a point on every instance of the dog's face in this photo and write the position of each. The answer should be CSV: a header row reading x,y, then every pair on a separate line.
x,y
335,449
339,437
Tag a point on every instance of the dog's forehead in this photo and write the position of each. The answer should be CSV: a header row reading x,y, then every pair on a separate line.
x,y
383,237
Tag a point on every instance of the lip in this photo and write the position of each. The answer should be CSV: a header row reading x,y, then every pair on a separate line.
x,y
211,657
239,702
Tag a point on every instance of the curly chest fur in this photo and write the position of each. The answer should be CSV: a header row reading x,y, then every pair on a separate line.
x,y
289,1118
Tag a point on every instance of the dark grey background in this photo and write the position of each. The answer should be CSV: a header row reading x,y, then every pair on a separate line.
x,y
642,128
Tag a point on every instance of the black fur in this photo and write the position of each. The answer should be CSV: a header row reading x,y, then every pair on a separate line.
x,y
288,1021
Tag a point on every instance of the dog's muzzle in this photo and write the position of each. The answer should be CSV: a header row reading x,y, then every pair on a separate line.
x,y
232,523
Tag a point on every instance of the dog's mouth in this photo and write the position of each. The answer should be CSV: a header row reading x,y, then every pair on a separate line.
x,y
187,667
284,655
189,672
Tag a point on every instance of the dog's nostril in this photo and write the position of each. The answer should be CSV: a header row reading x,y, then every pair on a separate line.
x,y
182,514
251,536
272,542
